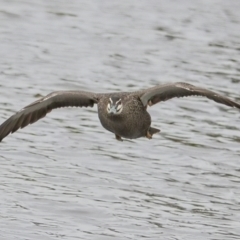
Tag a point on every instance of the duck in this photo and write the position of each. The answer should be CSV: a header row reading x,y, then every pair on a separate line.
x,y
122,113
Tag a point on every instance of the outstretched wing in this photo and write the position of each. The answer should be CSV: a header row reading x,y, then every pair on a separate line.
x,y
41,107
165,92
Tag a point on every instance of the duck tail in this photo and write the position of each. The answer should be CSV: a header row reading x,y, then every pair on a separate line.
x,y
153,130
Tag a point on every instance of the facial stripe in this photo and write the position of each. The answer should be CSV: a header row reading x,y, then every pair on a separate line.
x,y
119,101
119,107
108,107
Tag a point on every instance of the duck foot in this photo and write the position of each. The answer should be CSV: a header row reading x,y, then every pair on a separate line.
x,y
118,138
149,135
151,131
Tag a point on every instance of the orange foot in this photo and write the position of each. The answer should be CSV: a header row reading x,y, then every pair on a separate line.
x,y
118,138
149,135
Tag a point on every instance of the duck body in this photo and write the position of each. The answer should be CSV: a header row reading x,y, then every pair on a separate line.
x,y
133,122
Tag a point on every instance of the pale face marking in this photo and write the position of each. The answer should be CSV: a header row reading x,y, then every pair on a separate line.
x,y
114,106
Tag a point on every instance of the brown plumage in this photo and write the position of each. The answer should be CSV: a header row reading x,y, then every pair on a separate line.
x,y
123,114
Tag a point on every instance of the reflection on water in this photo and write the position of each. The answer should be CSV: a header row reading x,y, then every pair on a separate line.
x,y
65,176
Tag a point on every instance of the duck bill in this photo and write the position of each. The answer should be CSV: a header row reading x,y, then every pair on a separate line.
x,y
112,110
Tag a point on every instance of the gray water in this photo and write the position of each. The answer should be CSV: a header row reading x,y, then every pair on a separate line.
x,y
65,177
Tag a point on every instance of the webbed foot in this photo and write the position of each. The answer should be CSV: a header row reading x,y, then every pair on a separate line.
x,y
118,138
151,131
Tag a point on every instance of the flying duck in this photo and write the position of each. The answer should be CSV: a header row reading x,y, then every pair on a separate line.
x,y
122,113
